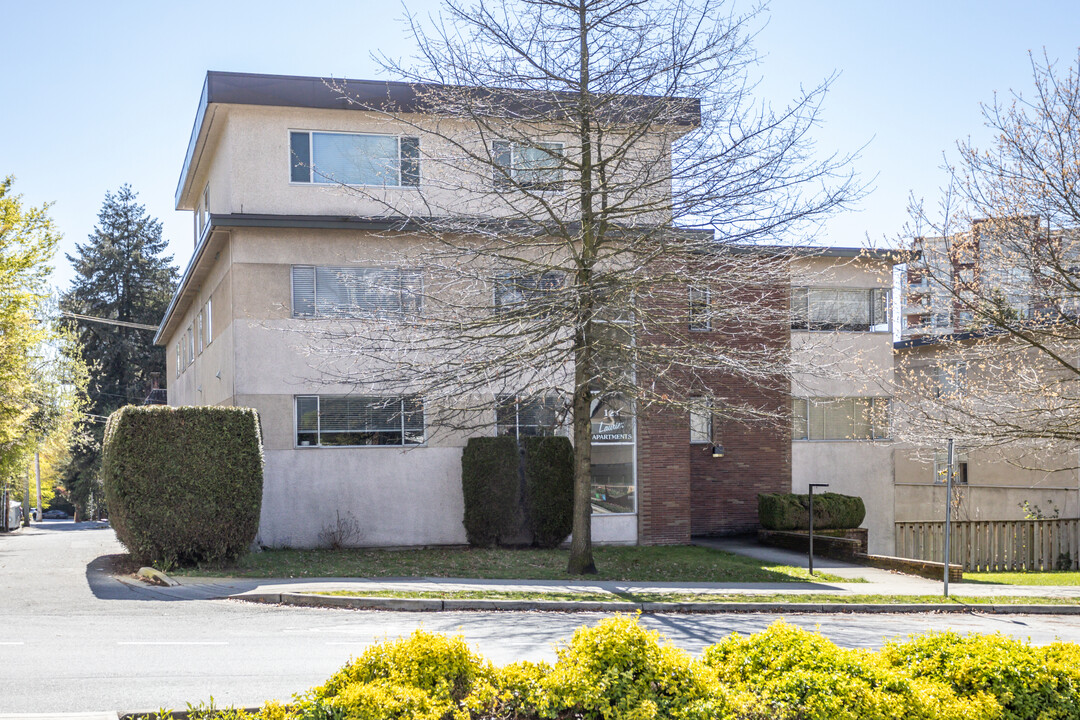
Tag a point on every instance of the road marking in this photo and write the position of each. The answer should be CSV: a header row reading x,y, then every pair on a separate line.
x,y
169,642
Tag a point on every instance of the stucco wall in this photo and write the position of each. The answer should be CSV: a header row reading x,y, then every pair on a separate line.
x,y
856,468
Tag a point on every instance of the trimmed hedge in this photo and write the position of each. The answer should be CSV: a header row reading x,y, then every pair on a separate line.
x,y
618,670
788,511
183,485
549,488
491,486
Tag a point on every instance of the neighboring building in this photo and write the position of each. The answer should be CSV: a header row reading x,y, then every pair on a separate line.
x,y
992,483
841,337
272,244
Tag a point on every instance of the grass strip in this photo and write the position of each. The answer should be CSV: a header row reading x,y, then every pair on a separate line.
x,y
1024,578
814,598
678,563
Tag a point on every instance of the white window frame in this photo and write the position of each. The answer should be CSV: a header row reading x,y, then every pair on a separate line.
x,y
700,306
808,402
191,344
314,179
199,322
800,311
518,401
318,423
701,415
510,180
209,320
179,365
401,311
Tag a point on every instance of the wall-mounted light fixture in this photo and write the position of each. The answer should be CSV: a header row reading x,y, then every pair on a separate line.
x,y
718,450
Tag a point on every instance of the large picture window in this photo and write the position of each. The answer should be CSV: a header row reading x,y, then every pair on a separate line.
x,y
859,418
354,159
535,166
355,291
864,309
527,416
358,420
522,293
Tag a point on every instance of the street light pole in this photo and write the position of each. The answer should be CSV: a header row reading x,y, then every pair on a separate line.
x,y
948,509
810,554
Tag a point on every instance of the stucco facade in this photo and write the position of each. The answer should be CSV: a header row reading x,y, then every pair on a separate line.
x,y
233,336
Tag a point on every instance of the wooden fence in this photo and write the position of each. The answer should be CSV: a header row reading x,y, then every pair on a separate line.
x,y
994,545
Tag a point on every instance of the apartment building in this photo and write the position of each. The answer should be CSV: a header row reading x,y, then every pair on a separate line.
x,y
280,248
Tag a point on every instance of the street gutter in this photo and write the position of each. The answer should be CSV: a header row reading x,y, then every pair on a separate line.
x,y
437,605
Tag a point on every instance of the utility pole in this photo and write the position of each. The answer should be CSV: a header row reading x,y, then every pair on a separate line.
x,y
37,479
26,499
810,555
948,510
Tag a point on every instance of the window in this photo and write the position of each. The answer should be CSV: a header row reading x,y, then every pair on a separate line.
x,y
354,159
527,417
518,292
948,378
941,466
190,349
202,331
613,462
701,420
840,419
700,302
840,309
356,421
209,319
355,291
202,213
535,166
179,359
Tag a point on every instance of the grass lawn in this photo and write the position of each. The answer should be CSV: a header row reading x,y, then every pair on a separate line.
x,y
817,598
1023,578
680,563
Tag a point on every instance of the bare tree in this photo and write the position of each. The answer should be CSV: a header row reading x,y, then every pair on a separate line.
x,y
996,280
597,181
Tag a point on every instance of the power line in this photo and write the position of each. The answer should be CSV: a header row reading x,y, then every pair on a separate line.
x,y
108,321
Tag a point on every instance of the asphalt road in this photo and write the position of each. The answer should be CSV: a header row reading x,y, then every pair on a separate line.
x,y
74,639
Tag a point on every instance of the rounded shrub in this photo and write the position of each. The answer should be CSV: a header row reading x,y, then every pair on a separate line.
x,y
183,485
491,486
549,488
788,511
1027,682
787,672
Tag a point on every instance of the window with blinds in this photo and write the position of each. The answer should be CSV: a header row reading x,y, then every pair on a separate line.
x,y
355,291
859,418
701,420
527,417
862,309
535,166
525,293
358,420
354,159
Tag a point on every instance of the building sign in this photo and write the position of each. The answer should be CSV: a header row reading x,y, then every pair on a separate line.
x,y
611,421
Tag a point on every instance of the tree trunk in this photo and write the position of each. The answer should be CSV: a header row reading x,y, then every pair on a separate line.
x,y
581,559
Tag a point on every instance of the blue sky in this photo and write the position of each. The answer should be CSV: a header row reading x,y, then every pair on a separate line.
x,y
98,94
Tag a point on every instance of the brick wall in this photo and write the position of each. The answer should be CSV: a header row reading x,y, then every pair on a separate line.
x,y
682,489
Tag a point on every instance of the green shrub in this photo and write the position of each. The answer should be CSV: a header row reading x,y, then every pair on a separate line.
x,y
617,669
183,485
788,511
786,672
549,488
491,486
424,676
1028,682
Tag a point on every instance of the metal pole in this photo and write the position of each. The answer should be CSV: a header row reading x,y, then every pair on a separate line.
x,y
26,500
810,554
37,479
948,510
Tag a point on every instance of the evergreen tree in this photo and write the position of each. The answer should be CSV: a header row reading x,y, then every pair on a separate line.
x,y
121,274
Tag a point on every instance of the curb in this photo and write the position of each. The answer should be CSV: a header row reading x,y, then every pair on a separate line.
x,y
435,605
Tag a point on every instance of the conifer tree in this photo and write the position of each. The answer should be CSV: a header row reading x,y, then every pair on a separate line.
x,y
123,274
